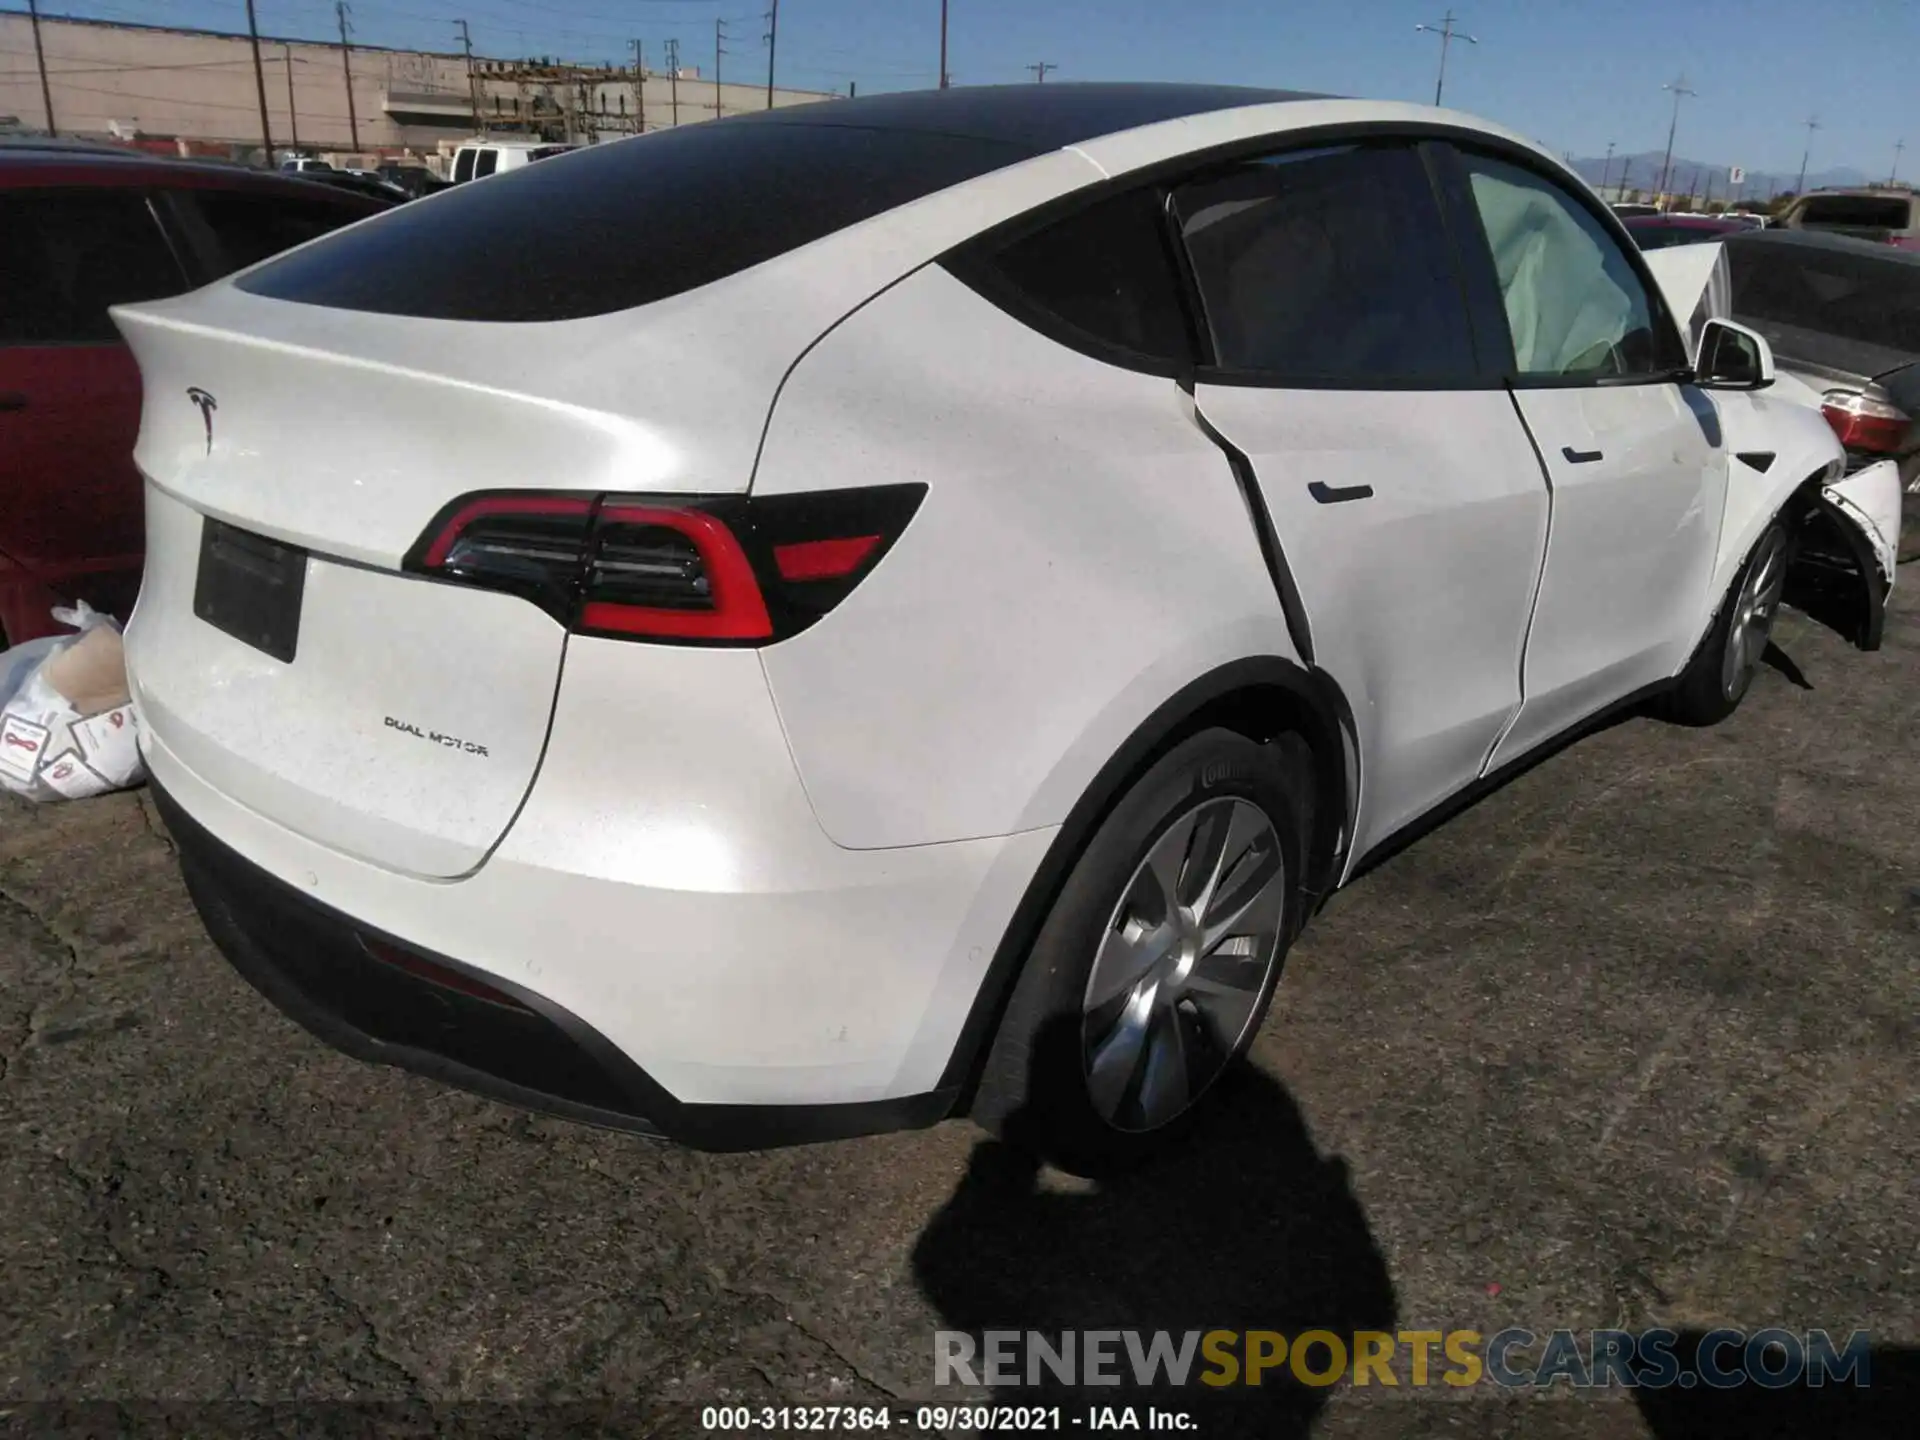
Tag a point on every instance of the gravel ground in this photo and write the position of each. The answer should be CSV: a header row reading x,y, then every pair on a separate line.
x,y
1632,1042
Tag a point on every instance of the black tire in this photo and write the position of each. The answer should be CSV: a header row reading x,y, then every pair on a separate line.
x,y
1035,1089
1706,694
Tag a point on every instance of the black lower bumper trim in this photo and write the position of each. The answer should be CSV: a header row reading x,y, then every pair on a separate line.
x,y
377,997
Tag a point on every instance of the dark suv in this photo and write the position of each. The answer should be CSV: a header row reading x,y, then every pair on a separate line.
x,y
83,228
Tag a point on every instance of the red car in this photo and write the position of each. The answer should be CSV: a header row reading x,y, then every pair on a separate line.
x,y
1656,232
83,228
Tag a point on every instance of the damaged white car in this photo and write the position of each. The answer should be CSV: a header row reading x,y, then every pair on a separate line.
x,y
823,620
1848,525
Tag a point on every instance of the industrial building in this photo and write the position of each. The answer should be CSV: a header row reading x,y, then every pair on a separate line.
x,y
196,92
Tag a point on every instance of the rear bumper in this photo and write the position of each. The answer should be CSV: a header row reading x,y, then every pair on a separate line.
x,y
382,999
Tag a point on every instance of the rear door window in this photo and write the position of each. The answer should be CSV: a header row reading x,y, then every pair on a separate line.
x,y
66,255
485,163
1102,279
463,166
1329,265
249,226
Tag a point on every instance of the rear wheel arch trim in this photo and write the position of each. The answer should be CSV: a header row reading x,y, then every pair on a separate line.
x,y
1290,695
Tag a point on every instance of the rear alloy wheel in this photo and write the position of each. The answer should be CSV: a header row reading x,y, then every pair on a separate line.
x,y
1183,964
1722,670
1155,966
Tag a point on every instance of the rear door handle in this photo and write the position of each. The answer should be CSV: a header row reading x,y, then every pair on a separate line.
x,y
1339,494
12,400
1580,457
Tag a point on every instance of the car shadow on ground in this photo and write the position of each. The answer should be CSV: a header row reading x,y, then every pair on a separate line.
x,y
1245,1226
1885,1405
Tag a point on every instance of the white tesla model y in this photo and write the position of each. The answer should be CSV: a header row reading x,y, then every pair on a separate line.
x,y
816,622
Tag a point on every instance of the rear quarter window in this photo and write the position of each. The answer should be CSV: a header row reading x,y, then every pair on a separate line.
x,y
1101,279
614,226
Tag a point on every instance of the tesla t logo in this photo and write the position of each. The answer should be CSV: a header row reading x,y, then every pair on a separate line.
x,y
207,406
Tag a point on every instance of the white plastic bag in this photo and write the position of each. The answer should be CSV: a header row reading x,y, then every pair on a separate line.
x,y
49,749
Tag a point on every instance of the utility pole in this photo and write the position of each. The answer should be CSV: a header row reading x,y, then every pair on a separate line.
x,y
1447,35
1625,166
293,120
773,36
1040,71
346,70
639,88
473,93
1606,169
40,56
1679,88
719,49
260,84
1813,124
673,78
943,44
1898,146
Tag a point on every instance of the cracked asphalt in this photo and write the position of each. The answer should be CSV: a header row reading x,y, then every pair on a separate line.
x,y
1632,1042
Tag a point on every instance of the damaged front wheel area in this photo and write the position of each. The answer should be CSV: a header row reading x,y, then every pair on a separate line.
x,y
1722,669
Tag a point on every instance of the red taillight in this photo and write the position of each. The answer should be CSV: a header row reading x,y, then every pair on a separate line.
x,y
678,574
1864,423
823,559
445,976
681,569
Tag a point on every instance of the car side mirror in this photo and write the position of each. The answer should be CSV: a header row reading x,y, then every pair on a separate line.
x,y
1732,357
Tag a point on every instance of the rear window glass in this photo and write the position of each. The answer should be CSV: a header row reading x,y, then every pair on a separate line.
x,y
1855,297
463,166
609,227
486,163
1864,212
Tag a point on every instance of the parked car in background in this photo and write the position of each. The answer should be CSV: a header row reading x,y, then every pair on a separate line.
x,y
481,158
416,180
359,183
80,231
687,692
1629,208
305,165
1890,217
1843,314
1656,232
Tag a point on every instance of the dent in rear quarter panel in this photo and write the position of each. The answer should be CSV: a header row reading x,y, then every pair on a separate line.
x,y
1082,553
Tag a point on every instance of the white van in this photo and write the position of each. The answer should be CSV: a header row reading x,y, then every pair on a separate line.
x,y
480,158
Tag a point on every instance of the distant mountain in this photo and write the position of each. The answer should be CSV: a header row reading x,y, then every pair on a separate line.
x,y
1642,172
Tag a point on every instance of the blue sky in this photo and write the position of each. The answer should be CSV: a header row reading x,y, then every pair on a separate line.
x,y
1574,76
